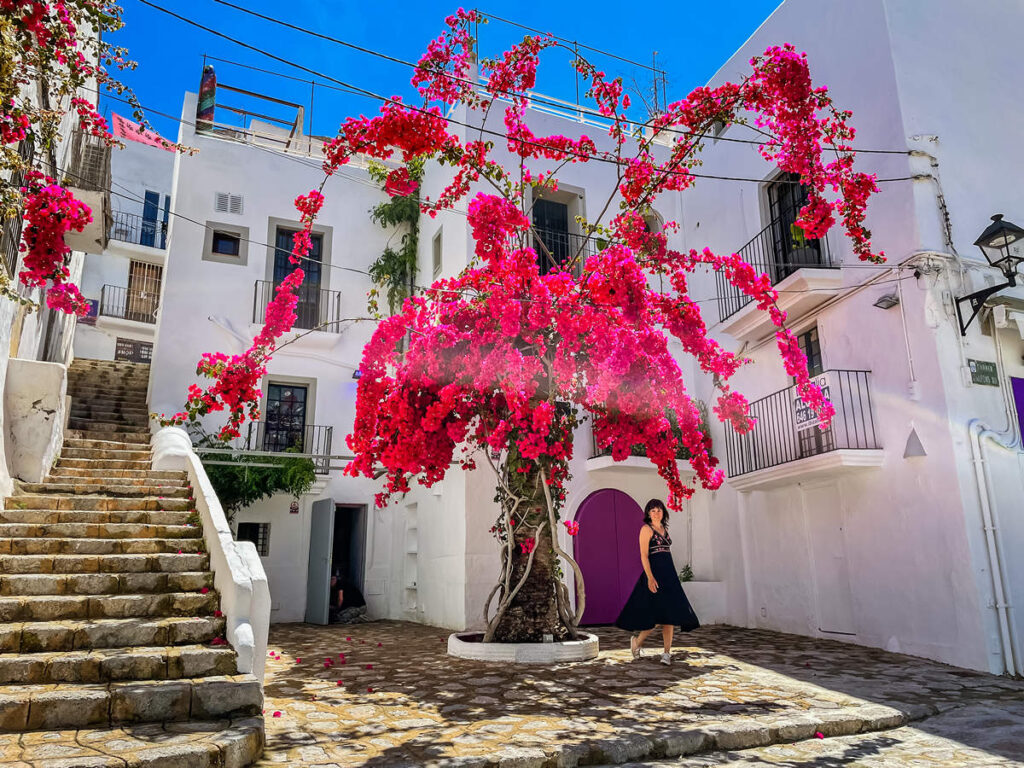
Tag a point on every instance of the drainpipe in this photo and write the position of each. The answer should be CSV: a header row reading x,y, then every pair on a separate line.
x,y
979,432
1007,439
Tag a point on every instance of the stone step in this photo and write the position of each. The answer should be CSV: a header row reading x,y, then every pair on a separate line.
x,y
76,422
100,474
95,407
96,502
85,634
193,744
128,436
33,584
111,416
108,394
49,487
102,464
49,516
152,563
106,665
114,488
141,546
144,480
104,453
53,707
97,531
106,445
59,607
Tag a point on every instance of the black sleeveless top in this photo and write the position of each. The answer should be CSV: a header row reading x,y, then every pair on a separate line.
x,y
659,543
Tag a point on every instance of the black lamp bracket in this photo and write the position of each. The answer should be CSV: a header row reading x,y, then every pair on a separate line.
x,y
976,301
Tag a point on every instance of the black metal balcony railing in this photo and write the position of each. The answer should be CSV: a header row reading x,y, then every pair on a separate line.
x,y
563,247
317,308
682,453
279,437
778,251
129,304
132,228
787,431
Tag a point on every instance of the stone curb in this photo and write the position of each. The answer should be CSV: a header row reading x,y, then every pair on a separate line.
x,y
668,743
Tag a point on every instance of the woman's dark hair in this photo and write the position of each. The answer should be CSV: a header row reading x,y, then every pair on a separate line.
x,y
664,512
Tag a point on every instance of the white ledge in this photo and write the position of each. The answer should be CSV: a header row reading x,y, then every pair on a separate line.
x,y
799,293
818,467
633,464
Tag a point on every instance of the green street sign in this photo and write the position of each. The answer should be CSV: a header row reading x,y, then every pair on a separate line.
x,y
984,372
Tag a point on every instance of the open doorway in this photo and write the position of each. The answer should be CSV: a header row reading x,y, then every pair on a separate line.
x,y
348,561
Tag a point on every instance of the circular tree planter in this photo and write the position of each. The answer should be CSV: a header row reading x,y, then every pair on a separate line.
x,y
470,645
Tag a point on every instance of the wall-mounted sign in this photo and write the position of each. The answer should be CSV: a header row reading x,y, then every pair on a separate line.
x,y
804,417
984,372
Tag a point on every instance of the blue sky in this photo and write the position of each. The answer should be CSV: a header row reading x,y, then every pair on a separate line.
x,y
691,39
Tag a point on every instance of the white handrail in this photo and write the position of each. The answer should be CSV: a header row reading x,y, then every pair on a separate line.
x,y
238,574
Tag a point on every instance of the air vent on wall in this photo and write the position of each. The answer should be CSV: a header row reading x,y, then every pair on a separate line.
x,y
227,203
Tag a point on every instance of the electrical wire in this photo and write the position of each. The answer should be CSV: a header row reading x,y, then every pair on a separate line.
x,y
533,97
360,91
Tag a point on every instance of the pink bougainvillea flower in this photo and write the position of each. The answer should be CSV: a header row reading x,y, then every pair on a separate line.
x,y
340,683
218,613
380,645
298,661
369,689
819,735
277,714
572,527
349,639
204,590
218,641
526,546
369,666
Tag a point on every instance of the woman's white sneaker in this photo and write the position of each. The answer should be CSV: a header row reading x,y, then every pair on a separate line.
x,y
666,659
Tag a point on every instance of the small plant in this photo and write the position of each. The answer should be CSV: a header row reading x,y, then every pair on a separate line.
x,y
686,574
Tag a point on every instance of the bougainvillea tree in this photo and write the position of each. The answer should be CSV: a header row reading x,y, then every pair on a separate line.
x,y
51,53
499,364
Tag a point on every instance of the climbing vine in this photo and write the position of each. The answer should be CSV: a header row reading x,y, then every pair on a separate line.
x,y
394,271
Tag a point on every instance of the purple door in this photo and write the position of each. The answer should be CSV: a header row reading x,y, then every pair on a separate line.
x,y
1018,399
607,551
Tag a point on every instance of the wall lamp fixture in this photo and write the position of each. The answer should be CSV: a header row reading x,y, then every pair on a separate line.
x,y
1003,246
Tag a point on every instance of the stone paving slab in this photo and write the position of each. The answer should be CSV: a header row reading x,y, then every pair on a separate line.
x,y
387,694
974,735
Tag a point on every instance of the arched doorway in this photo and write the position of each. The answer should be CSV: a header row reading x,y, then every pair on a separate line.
x,y
607,552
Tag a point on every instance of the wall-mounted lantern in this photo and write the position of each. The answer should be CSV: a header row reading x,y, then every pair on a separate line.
x,y
1003,245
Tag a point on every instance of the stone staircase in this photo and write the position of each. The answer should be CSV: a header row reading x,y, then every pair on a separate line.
x,y
111,641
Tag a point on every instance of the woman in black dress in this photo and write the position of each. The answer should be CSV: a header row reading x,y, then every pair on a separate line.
x,y
658,597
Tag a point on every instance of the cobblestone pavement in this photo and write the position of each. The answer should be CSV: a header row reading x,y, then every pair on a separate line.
x,y
387,694
975,735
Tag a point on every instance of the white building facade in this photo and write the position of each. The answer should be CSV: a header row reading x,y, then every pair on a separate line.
x,y
894,528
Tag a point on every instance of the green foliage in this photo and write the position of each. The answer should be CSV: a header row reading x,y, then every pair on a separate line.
x,y
394,270
239,484
686,574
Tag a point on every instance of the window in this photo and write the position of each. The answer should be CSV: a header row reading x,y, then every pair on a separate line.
x,y
258,534
223,202
308,310
286,417
226,243
811,347
790,247
551,223
436,249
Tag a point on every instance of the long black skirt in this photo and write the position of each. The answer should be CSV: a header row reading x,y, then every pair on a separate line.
x,y
645,609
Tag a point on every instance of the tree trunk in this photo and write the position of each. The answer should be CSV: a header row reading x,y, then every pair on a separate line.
x,y
533,612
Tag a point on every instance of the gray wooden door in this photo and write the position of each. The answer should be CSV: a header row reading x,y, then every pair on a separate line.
x,y
318,579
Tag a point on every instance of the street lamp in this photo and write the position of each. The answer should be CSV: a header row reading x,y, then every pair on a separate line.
x,y
1002,242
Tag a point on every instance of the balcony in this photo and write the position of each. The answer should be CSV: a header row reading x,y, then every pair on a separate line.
x,y
601,460
129,304
317,309
310,441
88,173
786,445
563,247
132,228
803,271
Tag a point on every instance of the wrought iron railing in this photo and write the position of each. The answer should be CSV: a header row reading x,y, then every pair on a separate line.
x,y
562,248
133,228
10,227
786,430
682,453
317,308
313,440
778,251
129,304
